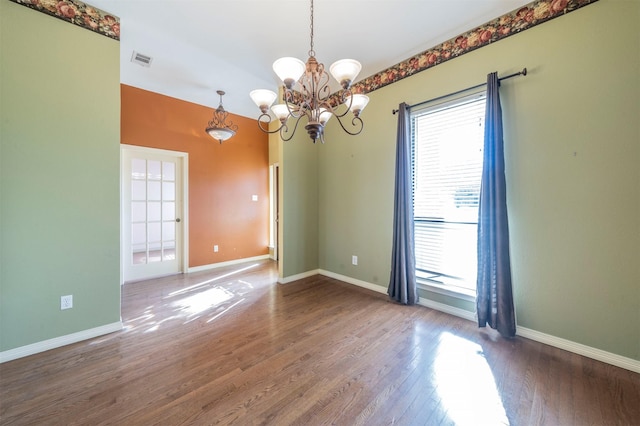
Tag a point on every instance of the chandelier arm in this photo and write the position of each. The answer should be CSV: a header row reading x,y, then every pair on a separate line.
x,y
324,92
219,120
333,109
289,98
343,97
301,105
326,103
356,122
283,132
306,93
230,124
344,94
266,130
302,108
322,89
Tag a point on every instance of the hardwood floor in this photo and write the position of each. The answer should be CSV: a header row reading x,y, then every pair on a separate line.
x,y
230,346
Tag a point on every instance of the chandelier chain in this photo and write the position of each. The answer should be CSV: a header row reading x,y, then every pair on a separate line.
x,y
311,51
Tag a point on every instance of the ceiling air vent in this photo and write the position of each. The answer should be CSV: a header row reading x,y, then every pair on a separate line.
x,y
140,59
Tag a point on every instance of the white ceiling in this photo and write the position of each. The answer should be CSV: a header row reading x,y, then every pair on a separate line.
x,y
200,46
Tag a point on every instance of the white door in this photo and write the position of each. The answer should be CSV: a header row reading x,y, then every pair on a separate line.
x,y
152,213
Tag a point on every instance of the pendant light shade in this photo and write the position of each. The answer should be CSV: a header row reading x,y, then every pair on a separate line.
x,y
289,70
263,98
345,71
357,102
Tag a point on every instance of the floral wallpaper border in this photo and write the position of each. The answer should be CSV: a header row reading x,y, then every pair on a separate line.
x,y
78,13
526,17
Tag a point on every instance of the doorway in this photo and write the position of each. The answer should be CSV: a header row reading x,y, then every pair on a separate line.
x,y
153,212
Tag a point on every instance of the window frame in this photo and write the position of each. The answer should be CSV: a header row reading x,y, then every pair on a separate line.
x,y
441,287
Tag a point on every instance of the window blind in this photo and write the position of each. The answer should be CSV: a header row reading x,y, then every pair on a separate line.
x,y
447,155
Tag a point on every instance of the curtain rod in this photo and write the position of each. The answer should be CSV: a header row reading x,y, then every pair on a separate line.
x,y
523,72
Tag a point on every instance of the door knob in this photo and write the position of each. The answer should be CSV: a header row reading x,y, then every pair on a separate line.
x,y
177,219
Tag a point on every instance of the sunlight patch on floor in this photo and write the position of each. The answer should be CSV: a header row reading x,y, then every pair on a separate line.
x,y
198,303
204,283
465,383
224,311
247,283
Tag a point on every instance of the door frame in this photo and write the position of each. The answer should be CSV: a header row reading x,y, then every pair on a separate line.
x,y
274,210
183,159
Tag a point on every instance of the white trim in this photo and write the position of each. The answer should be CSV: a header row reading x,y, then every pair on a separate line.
x,y
443,307
422,301
354,281
297,277
547,339
57,342
445,290
580,349
183,159
185,212
154,150
274,210
227,263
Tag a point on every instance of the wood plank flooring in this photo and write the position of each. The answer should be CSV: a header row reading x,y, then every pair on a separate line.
x,y
230,346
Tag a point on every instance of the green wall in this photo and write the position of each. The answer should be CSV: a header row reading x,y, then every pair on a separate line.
x,y
572,136
299,212
59,190
356,197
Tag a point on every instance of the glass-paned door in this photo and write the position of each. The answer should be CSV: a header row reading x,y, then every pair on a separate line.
x,y
152,214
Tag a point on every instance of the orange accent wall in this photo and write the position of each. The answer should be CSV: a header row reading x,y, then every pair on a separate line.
x,y
222,177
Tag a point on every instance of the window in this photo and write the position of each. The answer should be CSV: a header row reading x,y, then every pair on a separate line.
x,y
447,142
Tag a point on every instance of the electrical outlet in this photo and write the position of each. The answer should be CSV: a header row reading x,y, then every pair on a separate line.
x,y
354,260
66,302
254,198
215,248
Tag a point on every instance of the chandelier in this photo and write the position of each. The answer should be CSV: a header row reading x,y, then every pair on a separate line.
x,y
218,128
306,93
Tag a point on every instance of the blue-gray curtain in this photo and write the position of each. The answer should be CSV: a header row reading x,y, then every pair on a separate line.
x,y
494,292
402,284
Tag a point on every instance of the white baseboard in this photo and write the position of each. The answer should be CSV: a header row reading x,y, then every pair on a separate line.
x,y
452,310
227,263
57,342
354,281
422,302
297,277
547,339
580,349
